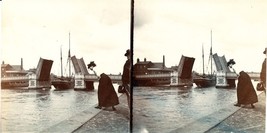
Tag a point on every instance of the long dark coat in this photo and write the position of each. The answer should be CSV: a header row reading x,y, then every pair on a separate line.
x,y
107,95
246,93
263,72
126,73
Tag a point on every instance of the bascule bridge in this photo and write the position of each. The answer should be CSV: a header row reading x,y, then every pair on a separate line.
x,y
85,81
41,77
224,76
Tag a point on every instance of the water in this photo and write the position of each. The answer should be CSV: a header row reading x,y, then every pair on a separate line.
x,y
163,109
155,109
35,110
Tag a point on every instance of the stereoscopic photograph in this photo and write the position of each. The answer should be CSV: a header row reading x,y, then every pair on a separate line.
x,y
133,66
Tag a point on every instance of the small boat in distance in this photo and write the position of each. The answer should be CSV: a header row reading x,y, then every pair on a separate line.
x,y
63,83
205,80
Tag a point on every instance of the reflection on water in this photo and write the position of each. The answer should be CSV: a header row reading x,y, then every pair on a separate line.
x,y
36,110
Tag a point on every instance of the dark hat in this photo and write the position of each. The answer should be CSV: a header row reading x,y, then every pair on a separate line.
x,y
128,52
264,52
231,61
92,64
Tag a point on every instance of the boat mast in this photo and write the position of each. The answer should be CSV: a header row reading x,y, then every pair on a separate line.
x,y
69,56
211,52
61,61
203,67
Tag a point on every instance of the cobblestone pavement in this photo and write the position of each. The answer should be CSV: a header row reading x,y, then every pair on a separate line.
x,y
245,120
109,121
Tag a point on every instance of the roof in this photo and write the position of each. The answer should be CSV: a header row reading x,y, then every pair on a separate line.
x,y
157,65
5,65
11,67
16,67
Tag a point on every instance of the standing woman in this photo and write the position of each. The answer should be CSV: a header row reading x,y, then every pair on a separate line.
x,y
246,93
107,96
126,75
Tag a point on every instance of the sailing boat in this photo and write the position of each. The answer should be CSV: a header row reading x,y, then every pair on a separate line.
x,y
205,80
62,83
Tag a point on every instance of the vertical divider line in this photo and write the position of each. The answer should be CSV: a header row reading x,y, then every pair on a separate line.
x,y
131,49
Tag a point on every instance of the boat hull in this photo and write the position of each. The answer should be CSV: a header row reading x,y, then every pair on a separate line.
x,y
63,84
204,82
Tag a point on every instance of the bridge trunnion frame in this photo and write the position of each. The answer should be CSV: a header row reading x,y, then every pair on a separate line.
x,y
225,78
183,76
41,79
82,79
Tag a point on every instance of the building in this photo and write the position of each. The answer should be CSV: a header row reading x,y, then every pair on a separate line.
x,y
13,76
148,73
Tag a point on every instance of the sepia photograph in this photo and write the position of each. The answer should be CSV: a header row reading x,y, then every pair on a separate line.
x,y
133,66
62,62
197,65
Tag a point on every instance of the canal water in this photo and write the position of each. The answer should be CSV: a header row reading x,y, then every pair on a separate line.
x,y
155,109
35,110
164,109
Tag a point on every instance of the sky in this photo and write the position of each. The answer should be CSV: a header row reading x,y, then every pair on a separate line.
x,y
99,32
180,27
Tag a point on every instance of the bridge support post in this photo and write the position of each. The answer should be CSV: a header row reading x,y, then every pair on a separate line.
x,y
82,84
79,83
174,79
89,85
221,79
32,81
35,84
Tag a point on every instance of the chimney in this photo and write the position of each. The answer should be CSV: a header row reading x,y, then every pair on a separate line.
x,y
144,59
21,64
163,62
138,60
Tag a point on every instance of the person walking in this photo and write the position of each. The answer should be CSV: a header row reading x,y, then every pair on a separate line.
x,y
107,96
126,76
246,93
